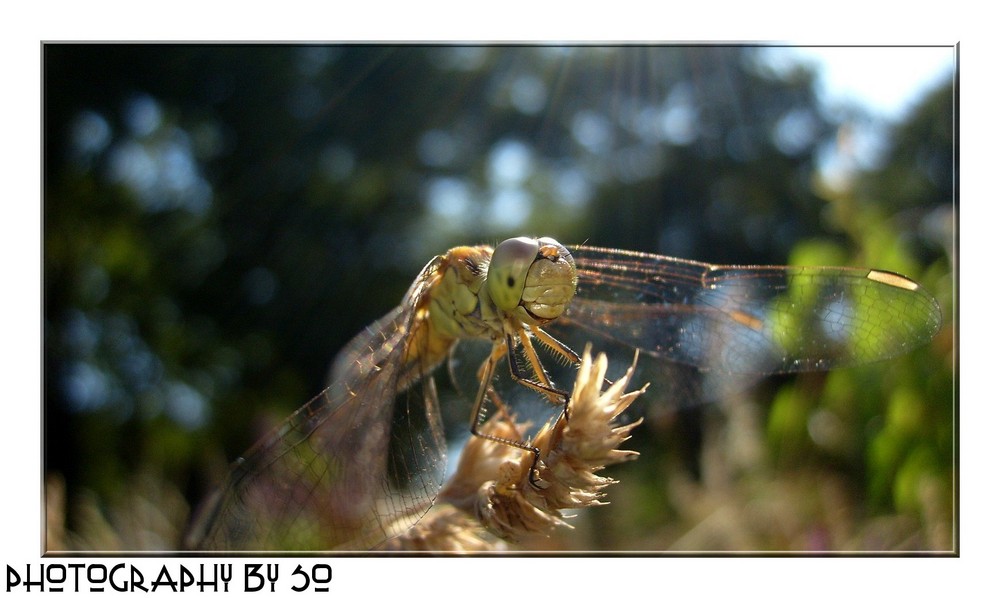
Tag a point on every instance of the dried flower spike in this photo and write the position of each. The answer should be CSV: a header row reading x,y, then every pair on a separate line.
x,y
492,486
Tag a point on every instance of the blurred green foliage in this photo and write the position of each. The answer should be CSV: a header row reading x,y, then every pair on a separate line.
x,y
220,220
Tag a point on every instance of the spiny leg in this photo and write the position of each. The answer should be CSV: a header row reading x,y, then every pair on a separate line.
x,y
544,385
557,347
498,403
486,372
541,382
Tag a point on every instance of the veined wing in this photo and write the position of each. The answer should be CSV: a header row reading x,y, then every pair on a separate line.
x,y
355,466
749,319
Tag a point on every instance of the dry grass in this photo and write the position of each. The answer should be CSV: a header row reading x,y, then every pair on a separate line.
x,y
149,515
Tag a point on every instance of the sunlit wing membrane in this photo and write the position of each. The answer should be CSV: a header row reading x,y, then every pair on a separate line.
x,y
749,319
357,465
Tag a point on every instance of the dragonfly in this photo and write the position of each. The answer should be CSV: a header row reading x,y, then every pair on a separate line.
x,y
363,461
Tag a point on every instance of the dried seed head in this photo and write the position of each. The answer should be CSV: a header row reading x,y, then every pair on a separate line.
x,y
445,528
492,483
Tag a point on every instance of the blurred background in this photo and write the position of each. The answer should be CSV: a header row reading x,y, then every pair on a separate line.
x,y
219,220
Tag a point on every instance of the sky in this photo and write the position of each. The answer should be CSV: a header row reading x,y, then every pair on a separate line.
x,y
887,80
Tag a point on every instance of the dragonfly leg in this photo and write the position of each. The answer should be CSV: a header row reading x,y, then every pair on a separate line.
x,y
543,385
498,403
486,372
557,347
501,407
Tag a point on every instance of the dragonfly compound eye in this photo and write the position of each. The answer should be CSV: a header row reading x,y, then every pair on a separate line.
x,y
551,281
534,278
508,269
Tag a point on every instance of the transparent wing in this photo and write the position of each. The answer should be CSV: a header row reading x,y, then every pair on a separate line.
x,y
358,464
749,319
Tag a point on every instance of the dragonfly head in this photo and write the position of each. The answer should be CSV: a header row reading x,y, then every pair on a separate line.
x,y
533,279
